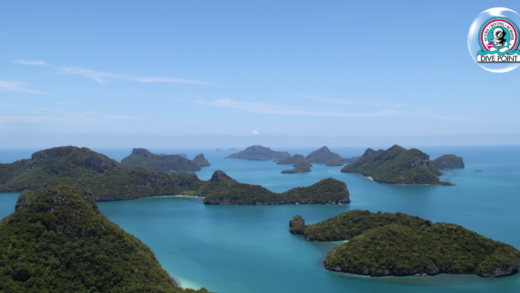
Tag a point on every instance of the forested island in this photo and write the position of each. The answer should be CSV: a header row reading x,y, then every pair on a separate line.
x,y
222,189
301,165
396,165
448,162
52,163
259,153
322,155
382,244
201,161
168,163
57,240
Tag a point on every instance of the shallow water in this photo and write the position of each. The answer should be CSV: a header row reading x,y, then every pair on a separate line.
x,y
249,249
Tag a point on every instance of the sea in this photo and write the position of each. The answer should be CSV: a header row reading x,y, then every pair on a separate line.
x,y
238,249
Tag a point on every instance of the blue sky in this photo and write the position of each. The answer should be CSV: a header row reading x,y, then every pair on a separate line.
x,y
235,73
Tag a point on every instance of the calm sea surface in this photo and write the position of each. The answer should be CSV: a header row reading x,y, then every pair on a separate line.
x,y
236,249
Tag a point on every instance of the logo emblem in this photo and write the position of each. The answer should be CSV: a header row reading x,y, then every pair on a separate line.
x,y
498,39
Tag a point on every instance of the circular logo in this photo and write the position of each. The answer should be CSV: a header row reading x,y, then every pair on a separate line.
x,y
494,39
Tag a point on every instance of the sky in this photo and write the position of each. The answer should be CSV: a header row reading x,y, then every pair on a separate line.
x,y
236,73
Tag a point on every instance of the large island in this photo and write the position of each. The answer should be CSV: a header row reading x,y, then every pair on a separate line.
x,y
259,153
396,165
323,155
382,244
222,189
167,163
57,240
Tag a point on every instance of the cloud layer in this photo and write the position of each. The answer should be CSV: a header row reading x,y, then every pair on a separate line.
x,y
271,109
15,86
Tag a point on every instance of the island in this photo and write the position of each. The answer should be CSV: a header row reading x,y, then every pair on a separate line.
x,y
232,149
218,150
301,165
351,160
57,240
223,190
396,165
448,162
334,162
383,244
289,160
168,163
136,182
260,153
58,162
323,155
201,161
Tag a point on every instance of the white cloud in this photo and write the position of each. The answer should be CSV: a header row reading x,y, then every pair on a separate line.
x,y
64,103
271,109
255,132
115,117
29,62
346,101
15,86
29,119
332,135
102,77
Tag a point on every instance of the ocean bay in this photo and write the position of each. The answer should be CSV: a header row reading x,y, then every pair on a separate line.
x,y
249,248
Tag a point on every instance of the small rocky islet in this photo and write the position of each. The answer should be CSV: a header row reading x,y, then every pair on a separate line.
x,y
383,244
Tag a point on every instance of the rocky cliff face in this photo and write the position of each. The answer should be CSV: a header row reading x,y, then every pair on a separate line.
x,y
201,161
420,161
141,152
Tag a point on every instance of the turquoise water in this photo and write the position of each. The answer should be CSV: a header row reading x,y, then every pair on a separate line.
x,y
248,248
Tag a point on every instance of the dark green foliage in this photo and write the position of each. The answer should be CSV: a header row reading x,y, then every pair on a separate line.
x,y
440,248
396,166
134,182
146,159
201,161
448,162
52,163
353,223
351,160
297,225
323,155
221,189
58,241
258,152
289,160
297,220
301,165
334,162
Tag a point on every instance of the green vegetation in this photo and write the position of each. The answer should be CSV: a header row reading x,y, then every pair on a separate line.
x,y
289,160
258,152
146,159
440,248
448,162
52,163
351,160
353,223
334,162
301,165
381,244
297,225
57,240
323,155
201,161
134,182
396,166
221,189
